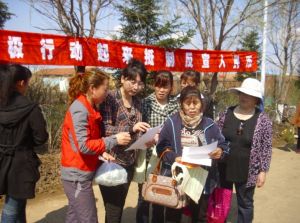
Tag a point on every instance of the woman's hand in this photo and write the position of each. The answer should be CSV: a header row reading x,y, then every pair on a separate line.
x,y
140,127
108,157
156,137
216,154
150,143
178,159
123,138
261,179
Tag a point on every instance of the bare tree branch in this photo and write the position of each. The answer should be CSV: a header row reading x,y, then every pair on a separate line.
x,y
69,15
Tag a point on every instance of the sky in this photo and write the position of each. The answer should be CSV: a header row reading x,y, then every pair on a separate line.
x,y
28,20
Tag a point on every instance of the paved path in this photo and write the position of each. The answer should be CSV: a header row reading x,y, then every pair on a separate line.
x,y
277,202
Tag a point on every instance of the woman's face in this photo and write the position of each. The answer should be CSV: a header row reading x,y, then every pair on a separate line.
x,y
131,87
191,106
162,93
246,101
99,93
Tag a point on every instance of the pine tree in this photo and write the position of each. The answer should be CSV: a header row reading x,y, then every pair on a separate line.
x,y
4,14
249,43
141,23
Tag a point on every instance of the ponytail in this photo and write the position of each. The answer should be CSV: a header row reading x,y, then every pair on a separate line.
x,y
81,82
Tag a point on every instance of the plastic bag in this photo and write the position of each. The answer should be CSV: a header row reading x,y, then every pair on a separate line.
x,y
110,174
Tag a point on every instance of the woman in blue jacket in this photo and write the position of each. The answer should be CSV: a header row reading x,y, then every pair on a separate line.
x,y
189,128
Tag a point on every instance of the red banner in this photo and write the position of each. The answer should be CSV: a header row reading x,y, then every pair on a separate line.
x,y
38,48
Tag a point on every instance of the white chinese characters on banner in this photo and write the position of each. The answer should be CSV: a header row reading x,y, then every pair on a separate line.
x,y
236,61
248,61
205,60
126,54
103,53
170,59
149,57
189,59
76,50
15,47
47,45
222,62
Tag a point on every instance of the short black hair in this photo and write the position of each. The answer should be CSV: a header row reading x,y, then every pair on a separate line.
x,y
134,68
189,92
195,76
162,78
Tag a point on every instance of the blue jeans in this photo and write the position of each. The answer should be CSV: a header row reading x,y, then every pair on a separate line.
x,y
14,210
245,202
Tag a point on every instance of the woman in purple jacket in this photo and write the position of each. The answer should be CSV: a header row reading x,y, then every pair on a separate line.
x,y
249,132
189,127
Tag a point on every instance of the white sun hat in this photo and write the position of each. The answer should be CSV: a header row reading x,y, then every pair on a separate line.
x,y
250,86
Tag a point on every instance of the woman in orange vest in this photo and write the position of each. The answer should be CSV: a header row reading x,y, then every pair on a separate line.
x,y
296,122
82,144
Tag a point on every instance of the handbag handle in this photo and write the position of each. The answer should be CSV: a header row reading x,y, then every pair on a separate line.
x,y
157,168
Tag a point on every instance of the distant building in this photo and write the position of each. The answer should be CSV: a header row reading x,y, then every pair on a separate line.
x,y
56,76
60,76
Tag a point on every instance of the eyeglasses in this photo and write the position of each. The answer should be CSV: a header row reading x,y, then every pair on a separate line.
x,y
137,83
240,129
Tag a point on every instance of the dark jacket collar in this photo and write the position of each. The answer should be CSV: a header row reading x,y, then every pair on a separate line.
x,y
18,107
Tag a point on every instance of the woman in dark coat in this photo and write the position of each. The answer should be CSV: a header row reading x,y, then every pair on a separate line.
x,y
22,127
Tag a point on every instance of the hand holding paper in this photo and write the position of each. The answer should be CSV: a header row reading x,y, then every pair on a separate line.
x,y
147,137
198,155
216,154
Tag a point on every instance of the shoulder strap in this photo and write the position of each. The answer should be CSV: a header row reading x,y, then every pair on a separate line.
x,y
157,168
230,109
174,137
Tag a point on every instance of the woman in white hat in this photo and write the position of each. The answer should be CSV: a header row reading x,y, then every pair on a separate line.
x,y
249,132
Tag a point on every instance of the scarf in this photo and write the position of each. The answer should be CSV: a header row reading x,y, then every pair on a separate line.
x,y
190,122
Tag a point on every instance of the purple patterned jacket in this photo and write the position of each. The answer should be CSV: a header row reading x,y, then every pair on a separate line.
x,y
261,148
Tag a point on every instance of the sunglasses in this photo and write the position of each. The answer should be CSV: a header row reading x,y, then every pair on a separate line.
x,y
240,129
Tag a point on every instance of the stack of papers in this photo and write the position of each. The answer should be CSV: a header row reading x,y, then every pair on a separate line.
x,y
198,155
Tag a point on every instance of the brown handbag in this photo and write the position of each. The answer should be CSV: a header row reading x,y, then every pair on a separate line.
x,y
163,190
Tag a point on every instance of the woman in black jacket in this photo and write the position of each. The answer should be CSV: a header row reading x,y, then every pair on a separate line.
x,y
22,127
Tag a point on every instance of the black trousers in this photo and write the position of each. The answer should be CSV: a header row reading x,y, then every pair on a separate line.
x,y
114,198
143,208
198,211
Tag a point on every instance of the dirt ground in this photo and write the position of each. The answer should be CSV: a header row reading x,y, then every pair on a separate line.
x,y
277,202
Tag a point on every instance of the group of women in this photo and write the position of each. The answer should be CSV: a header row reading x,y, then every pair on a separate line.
x,y
105,123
